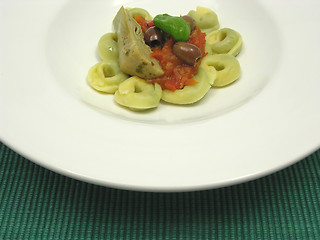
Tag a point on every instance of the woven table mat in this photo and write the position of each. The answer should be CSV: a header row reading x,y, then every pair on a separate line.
x,y
36,203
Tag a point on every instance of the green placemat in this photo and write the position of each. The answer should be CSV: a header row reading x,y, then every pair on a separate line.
x,y
36,203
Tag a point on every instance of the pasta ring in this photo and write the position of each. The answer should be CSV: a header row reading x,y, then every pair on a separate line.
x,y
136,94
206,19
225,40
139,11
193,93
211,72
108,47
227,67
106,76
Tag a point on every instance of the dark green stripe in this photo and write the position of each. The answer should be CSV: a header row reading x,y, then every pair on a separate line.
x,y
36,203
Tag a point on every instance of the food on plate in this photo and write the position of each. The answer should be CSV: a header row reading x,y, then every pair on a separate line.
x,y
205,18
225,40
188,53
108,47
106,76
139,12
192,93
175,59
177,27
134,54
227,68
137,94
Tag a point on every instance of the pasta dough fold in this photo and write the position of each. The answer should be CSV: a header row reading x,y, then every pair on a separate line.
x,y
193,93
139,11
206,19
227,67
225,40
108,47
136,94
106,76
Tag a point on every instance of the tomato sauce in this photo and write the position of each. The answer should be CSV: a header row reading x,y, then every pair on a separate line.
x,y
176,74
145,24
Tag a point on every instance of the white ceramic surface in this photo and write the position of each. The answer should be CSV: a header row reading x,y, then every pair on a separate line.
x,y
266,121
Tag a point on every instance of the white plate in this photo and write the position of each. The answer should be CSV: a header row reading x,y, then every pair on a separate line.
x,y
266,121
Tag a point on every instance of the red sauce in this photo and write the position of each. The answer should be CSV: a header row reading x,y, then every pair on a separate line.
x,y
145,24
176,74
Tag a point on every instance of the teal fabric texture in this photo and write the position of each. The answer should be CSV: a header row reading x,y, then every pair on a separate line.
x,y
36,203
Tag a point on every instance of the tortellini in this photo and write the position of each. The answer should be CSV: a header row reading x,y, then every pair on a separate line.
x,y
139,11
108,47
225,40
106,76
216,70
227,67
206,19
136,94
193,93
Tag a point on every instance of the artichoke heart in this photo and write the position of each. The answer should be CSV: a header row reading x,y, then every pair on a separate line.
x,y
134,54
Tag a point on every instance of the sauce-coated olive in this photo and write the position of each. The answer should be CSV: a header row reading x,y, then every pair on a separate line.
x,y
188,53
153,37
190,21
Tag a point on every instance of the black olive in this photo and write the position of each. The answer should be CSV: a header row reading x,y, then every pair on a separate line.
x,y
153,37
188,53
190,21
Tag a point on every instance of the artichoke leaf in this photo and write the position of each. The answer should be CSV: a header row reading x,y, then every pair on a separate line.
x,y
134,54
